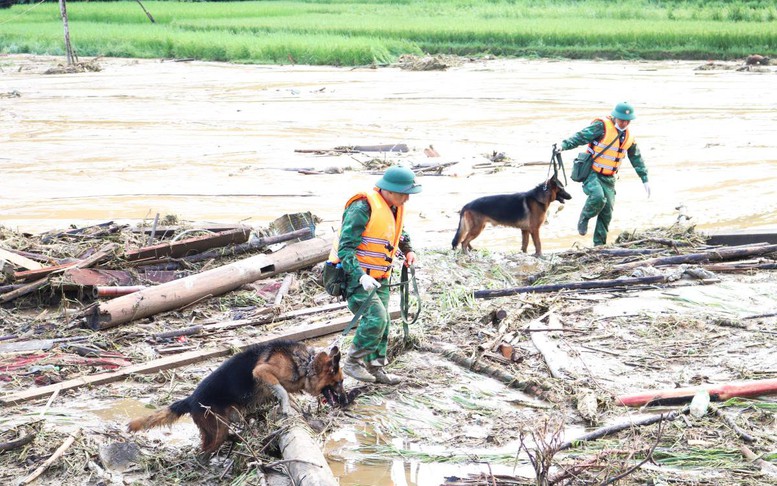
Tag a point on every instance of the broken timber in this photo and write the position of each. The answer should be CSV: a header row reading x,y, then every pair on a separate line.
x,y
590,284
19,260
707,256
190,245
298,333
182,292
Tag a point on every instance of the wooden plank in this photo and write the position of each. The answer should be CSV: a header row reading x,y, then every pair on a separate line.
x,y
299,333
19,260
197,244
742,238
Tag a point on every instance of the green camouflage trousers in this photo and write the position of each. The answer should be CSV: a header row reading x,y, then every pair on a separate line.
x,y
600,204
371,337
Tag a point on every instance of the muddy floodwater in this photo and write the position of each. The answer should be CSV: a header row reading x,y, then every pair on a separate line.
x,y
216,142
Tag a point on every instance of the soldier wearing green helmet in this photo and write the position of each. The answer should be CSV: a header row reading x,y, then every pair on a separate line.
x,y
370,235
608,141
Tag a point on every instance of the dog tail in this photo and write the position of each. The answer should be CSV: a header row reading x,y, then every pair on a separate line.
x,y
166,416
456,237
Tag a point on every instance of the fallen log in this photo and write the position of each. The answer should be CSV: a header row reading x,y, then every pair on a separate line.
x,y
683,395
182,292
589,284
530,387
611,429
190,245
707,256
306,463
298,333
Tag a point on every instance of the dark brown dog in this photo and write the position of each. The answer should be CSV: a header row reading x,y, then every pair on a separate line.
x,y
279,367
524,210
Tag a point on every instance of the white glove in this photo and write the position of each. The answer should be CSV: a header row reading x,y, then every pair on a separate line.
x,y
368,283
647,188
558,148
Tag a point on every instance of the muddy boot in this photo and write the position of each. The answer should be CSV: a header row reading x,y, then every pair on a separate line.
x,y
582,225
357,369
383,377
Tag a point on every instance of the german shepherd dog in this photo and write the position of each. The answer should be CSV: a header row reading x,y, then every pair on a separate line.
x,y
524,210
276,367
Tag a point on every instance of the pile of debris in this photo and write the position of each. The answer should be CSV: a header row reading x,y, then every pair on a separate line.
x,y
111,304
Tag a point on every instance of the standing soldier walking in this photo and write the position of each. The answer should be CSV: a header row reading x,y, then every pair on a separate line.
x,y
609,141
372,231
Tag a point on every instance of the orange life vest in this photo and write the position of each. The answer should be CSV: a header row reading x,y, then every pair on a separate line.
x,y
379,239
610,159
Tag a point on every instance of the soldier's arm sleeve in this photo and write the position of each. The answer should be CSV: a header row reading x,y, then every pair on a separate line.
x,y
355,221
585,136
635,157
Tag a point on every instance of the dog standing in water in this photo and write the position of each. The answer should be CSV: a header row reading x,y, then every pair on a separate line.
x,y
279,367
523,210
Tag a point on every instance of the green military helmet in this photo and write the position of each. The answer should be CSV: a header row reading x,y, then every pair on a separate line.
x,y
399,179
623,111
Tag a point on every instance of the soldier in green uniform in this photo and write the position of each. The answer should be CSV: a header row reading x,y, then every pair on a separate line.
x,y
370,235
609,140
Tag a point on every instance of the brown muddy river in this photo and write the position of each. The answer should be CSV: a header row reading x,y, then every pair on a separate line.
x,y
215,142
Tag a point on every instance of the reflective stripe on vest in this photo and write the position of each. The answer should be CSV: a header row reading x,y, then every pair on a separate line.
x,y
610,159
379,239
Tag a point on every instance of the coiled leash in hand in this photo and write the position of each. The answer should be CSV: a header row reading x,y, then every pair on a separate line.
x,y
556,163
404,302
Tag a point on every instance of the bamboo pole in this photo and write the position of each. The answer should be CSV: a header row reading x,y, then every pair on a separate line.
x,y
185,291
307,465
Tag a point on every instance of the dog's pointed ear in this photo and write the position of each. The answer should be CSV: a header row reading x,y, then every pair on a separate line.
x,y
334,355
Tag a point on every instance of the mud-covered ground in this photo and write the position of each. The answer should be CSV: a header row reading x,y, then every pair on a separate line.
x,y
445,420
216,142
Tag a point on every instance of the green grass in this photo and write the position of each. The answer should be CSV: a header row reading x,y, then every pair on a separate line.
x,y
357,33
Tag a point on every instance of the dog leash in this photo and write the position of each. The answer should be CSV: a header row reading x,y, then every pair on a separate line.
x,y
555,163
404,303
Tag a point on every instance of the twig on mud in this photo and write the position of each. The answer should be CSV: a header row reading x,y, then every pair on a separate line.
x,y
730,422
23,439
57,454
766,467
609,430
648,457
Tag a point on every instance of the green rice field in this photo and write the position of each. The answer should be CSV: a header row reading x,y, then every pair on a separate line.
x,y
352,33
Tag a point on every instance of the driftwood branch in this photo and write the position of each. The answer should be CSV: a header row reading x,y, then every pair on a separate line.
x,y
531,387
766,467
707,256
57,454
730,422
590,284
612,429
